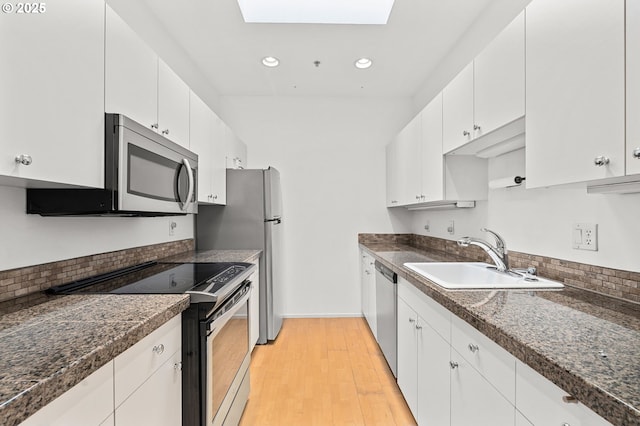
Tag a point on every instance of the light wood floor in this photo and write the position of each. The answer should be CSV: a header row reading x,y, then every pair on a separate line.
x,y
324,372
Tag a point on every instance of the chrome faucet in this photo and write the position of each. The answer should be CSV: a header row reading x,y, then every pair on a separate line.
x,y
498,253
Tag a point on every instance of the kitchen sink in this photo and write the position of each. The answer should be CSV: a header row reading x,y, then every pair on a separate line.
x,y
477,275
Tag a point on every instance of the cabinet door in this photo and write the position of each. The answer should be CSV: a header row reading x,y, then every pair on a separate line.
x,y
90,402
633,86
219,163
158,401
131,73
392,168
173,105
410,171
575,90
201,129
432,159
434,381
371,290
457,110
474,401
52,85
407,355
499,79
522,420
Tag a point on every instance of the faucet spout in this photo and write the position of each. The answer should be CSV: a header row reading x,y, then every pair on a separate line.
x,y
497,254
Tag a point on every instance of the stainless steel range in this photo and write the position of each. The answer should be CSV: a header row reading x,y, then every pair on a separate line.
x,y
215,330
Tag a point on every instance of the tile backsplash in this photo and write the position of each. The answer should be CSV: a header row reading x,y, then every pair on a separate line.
x,y
613,282
20,282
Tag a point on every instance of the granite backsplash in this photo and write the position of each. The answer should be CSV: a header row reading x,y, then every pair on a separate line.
x,y
612,282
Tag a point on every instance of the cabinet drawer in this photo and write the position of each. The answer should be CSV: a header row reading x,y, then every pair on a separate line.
x,y
431,311
541,402
140,361
493,362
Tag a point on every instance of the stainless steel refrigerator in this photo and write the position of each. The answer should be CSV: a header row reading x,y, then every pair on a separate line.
x,y
252,219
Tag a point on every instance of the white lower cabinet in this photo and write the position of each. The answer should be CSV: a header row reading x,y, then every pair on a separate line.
x,y
423,367
368,283
158,401
254,308
544,403
90,402
451,374
475,400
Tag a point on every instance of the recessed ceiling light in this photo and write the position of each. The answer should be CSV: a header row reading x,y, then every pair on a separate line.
x,y
316,12
363,63
270,61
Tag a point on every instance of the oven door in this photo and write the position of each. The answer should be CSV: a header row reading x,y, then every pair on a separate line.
x,y
154,174
227,355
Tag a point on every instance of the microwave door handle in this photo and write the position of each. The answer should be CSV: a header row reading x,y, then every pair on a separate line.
x,y
186,164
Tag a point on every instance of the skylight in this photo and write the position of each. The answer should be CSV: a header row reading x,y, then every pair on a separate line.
x,y
316,11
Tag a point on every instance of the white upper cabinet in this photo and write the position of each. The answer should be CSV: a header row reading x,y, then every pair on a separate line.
x,y
236,150
409,164
207,140
173,105
633,87
417,171
141,86
575,65
457,119
499,79
131,77
393,186
52,102
201,123
487,94
432,160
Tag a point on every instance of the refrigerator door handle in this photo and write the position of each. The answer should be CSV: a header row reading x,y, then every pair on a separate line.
x,y
277,220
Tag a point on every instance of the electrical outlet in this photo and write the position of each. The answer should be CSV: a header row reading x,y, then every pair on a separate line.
x,y
172,227
585,236
426,226
451,228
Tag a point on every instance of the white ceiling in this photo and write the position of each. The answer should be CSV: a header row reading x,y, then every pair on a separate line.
x,y
420,34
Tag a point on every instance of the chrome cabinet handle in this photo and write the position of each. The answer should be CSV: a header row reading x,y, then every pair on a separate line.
x,y
418,326
601,160
158,349
411,320
476,127
154,126
636,153
422,197
165,132
24,159
465,133
473,347
177,366
570,399
453,365
394,201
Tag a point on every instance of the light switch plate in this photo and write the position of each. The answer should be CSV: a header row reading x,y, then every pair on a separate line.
x,y
585,236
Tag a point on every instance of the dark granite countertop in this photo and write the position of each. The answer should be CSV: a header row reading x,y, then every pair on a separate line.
x,y
48,348
558,333
208,256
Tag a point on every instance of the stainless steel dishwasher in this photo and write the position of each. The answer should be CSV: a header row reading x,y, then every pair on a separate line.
x,y
387,313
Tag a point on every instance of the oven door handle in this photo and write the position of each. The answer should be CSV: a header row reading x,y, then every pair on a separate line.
x,y
185,204
213,327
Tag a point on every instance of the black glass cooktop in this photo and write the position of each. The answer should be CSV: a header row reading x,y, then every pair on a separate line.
x,y
157,278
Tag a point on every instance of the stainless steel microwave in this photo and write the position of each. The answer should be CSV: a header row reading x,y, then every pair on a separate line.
x,y
145,175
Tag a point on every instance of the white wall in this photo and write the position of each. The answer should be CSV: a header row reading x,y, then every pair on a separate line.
x,y
31,239
330,153
539,221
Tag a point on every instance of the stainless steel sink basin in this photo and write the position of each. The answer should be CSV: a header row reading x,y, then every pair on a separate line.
x,y
476,275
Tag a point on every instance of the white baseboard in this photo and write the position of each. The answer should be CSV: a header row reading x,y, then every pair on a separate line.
x,y
344,315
